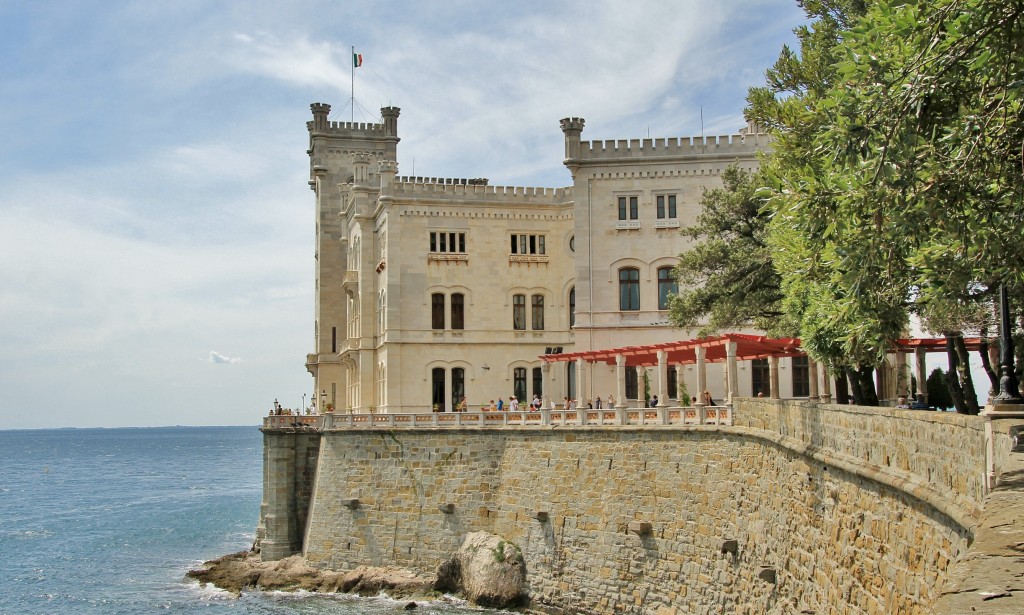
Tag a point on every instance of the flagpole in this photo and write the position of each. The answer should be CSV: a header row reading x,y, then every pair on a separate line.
x,y
352,101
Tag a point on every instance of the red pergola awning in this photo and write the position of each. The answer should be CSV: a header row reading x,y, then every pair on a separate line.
x,y
747,347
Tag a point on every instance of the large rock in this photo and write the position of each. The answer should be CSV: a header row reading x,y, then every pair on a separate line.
x,y
245,569
487,570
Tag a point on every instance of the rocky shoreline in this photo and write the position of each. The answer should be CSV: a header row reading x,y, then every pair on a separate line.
x,y
487,571
244,570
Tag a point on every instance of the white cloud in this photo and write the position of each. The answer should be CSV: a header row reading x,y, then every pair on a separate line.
x,y
216,357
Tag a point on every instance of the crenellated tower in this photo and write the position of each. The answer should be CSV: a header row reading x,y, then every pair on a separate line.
x,y
345,159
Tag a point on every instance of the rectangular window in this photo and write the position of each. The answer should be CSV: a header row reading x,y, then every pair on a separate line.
x,y
666,204
760,377
437,311
538,382
632,386
528,244
519,312
537,312
629,208
801,377
451,243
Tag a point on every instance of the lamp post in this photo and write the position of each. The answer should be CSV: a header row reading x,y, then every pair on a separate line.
x,y
1009,392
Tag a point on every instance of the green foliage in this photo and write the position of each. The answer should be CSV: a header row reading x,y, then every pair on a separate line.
x,y
683,395
726,279
894,181
938,391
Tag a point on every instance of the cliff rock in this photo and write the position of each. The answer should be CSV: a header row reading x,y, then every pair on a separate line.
x,y
487,570
245,570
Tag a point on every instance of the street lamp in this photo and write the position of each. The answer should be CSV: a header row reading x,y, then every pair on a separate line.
x,y
1009,392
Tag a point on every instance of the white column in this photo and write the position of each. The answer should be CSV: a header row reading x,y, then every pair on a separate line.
x,y
826,385
679,380
640,370
702,374
902,382
730,350
581,389
773,377
812,372
545,369
922,367
620,380
662,378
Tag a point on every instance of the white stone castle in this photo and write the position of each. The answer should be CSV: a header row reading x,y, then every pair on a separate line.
x,y
431,290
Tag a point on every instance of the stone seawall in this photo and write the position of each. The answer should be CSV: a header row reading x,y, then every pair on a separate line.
x,y
748,519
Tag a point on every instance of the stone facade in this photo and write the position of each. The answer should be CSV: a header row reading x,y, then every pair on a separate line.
x,y
460,286
796,508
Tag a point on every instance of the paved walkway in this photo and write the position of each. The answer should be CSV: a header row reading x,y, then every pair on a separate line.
x,y
989,579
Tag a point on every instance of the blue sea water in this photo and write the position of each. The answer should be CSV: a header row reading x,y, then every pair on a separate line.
x,y
107,521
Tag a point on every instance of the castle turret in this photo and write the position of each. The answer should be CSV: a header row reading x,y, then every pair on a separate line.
x,y
572,127
320,113
390,115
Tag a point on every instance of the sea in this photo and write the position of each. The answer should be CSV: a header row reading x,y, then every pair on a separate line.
x,y
107,521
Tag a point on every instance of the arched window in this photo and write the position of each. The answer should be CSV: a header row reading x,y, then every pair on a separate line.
x,y
458,311
519,312
572,307
458,385
673,383
519,384
537,312
538,382
629,289
667,286
437,311
437,387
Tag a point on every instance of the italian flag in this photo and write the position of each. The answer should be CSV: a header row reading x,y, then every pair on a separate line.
x,y
357,60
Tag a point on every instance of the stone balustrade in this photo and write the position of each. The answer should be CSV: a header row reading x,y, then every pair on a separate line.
x,y
691,415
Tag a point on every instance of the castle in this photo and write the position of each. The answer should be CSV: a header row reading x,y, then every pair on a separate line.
x,y
431,290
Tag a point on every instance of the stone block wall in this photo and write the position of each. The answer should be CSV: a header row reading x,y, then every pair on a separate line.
x,y
809,536
290,458
939,456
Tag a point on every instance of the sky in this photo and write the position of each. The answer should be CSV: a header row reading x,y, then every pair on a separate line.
x,y
156,227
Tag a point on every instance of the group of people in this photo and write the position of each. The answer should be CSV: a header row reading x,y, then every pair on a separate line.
x,y
568,403
513,405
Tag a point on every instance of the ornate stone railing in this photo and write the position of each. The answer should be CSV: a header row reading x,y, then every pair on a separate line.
x,y
707,415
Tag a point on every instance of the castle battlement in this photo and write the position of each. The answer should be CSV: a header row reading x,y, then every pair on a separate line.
x,y
439,189
409,179
737,144
320,124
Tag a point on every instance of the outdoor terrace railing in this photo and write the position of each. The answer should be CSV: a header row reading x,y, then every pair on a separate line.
x,y
693,415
